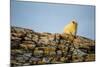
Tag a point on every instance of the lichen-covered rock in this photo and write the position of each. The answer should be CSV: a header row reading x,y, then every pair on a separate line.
x,y
27,46
38,53
33,48
77,58
90,57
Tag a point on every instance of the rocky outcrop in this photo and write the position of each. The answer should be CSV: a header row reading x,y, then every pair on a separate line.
x,y
33,48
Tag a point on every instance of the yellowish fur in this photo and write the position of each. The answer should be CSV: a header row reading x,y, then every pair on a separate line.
x,y
71,28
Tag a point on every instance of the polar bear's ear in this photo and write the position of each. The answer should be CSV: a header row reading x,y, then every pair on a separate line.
x,y
73,22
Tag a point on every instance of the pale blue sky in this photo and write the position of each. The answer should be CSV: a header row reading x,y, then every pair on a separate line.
x,y
45,17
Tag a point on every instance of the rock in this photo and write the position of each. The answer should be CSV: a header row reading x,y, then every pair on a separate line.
x,y
90,57
15,44
34,59
57,38
26,64
61,46
29,35
20,59
16,51
28,42
59,52
27,46
15,38
45,60
38,53
27,54
27,39
82,42
62,59
43,40
18,30
33,48
76,58
17,34
52,53
51,37
35,38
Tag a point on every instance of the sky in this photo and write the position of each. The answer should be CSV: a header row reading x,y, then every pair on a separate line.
x,y
52,18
